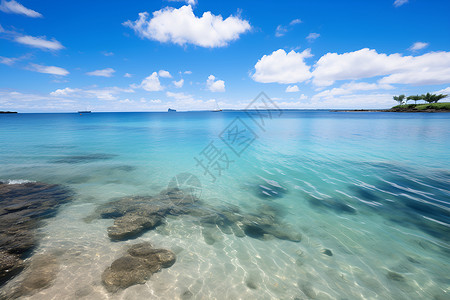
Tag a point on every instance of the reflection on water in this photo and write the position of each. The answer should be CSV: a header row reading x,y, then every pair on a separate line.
x,y
322,205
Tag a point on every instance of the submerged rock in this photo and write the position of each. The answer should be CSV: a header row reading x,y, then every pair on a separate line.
x,y
136,267
22,207
395,276
131,225
135,215
39,275
10,265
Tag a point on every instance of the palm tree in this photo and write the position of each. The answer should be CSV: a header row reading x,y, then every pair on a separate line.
x,y
439,97
399,99
415,98
433,98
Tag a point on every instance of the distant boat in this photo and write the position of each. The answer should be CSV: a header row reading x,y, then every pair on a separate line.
x,y
171,110
217,108
84,112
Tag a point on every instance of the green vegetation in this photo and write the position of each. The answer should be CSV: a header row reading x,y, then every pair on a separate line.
x,y
444,106
414,98
399,99
432,100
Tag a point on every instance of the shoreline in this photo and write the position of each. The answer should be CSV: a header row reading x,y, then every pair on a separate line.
x,y
394,110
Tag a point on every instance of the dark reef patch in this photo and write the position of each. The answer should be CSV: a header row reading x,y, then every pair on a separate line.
x,y
136,267
411,199
81,159
135,215
39,275
22,207
330,204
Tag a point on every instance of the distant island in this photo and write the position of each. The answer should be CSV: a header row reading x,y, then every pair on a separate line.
x,y
431,106
8,112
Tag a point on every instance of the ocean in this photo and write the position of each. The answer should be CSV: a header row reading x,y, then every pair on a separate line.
x,y
332,205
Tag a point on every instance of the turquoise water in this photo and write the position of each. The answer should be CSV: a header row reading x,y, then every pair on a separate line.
x,y
369,193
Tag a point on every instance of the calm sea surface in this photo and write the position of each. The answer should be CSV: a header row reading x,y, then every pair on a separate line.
x,y
369,193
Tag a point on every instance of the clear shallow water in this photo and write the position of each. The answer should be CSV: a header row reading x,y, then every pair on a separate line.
x,y
372,188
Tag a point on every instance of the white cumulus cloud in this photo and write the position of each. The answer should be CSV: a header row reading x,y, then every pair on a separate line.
x,y
164,73
179,83
181,26
108,72
292,89
151,83
39,42
64,92
282,67
48,69
429,68
13,7
215,85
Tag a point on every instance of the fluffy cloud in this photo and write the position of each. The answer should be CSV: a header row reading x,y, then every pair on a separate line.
x,y
127,75
48,69
39,42
179,83
418,46
429,68
292,89
188,72
181,26
108,93
398,3
64,92
283,67
151,83
312,36
13,7
164,73
350,88
108,72
215,85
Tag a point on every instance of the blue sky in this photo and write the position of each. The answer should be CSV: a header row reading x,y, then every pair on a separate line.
x,y
62,56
